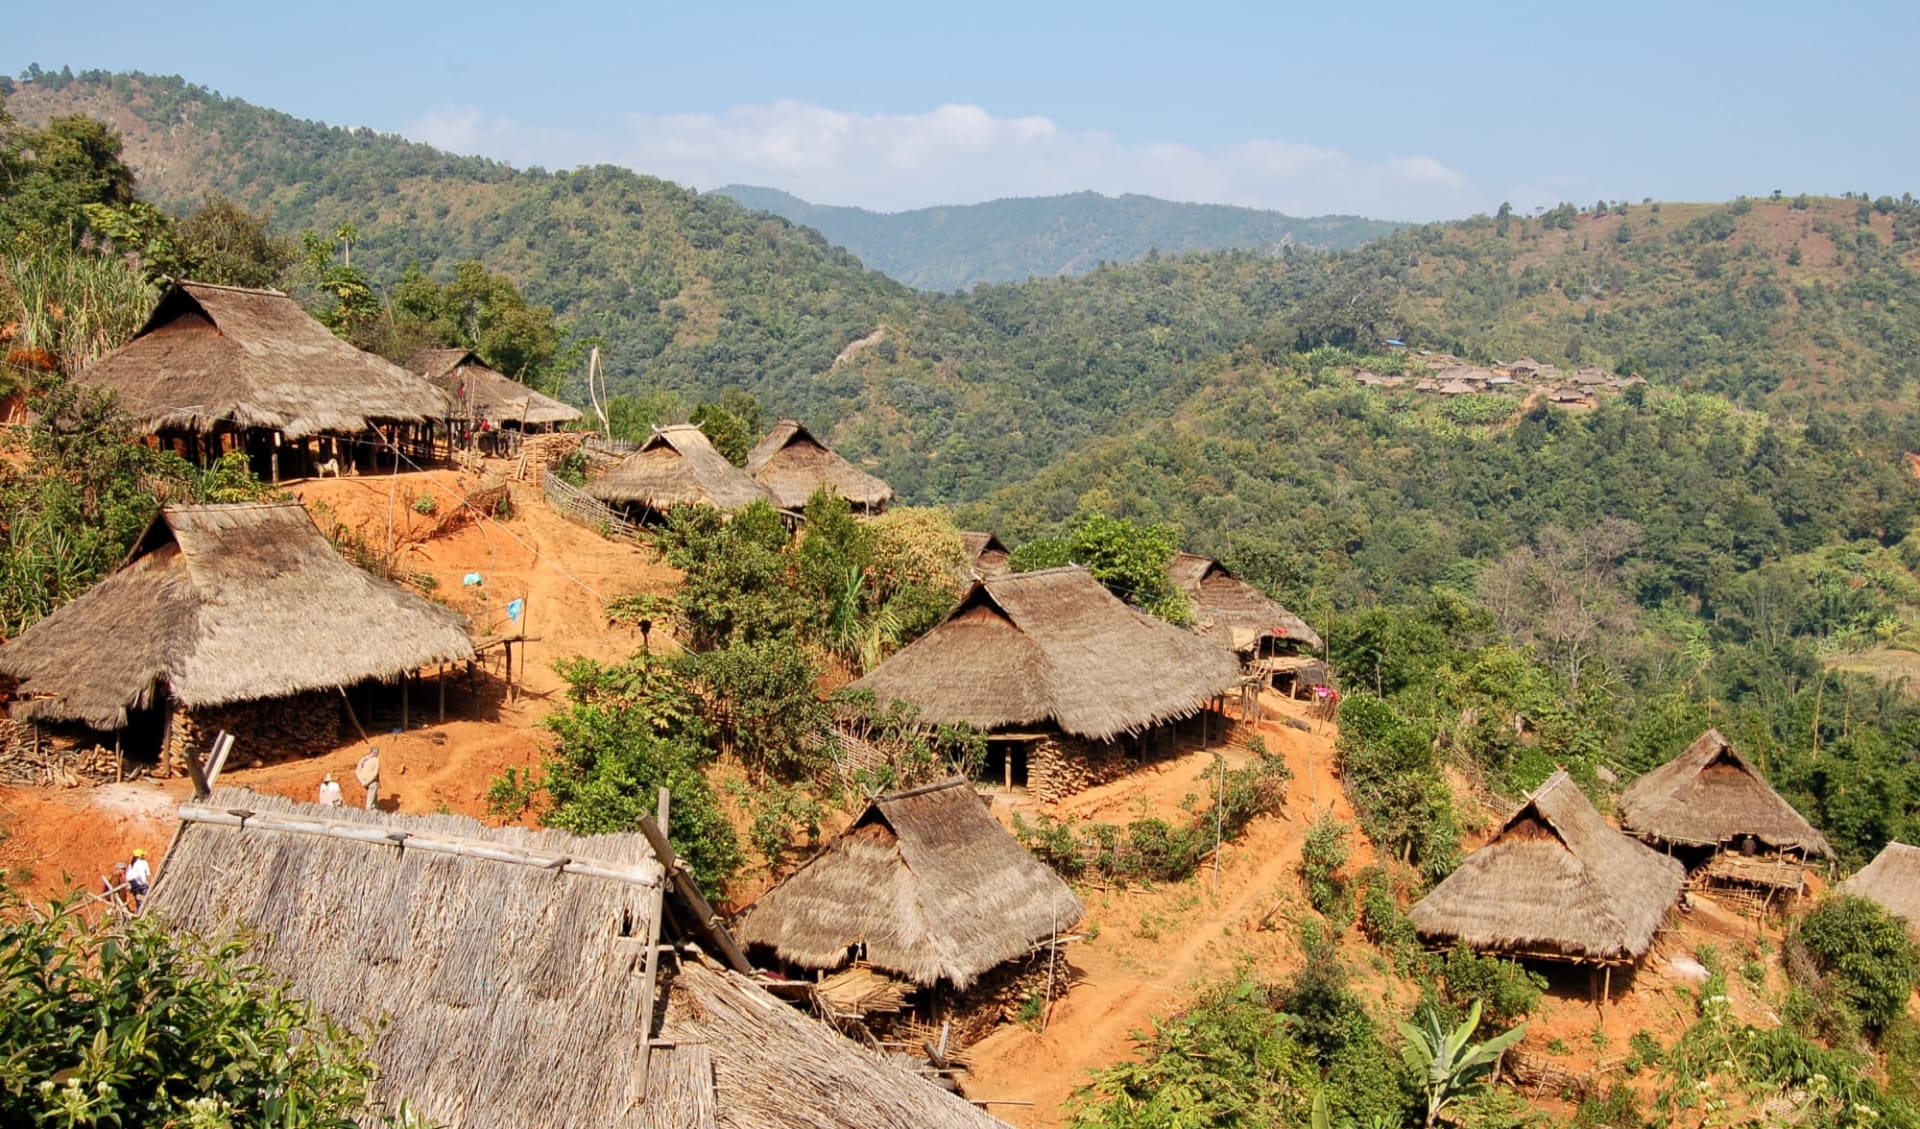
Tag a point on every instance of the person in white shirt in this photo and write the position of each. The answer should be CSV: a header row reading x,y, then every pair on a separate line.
x,y
330,792
367,772
139,878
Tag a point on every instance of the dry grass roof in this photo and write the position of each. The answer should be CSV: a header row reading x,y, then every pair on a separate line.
x,y
478,391
982,555
1054,646
1231,612
1556,881
1709,796
511,986
223,604
1893,880
214,357
676,466
928,881
792,464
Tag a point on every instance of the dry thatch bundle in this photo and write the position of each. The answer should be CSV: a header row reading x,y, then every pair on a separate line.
x,y
1231,612
479,392
1558,881
928,881
1709,796
507,967
223,604
792,464
1893,880
217,358
676,466
984,556
1054,646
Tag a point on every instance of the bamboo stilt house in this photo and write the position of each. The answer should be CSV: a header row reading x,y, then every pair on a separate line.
x,y
1236,615
1893,880
1712,808
676,466
219,367
219,606
792,464
1557,882
1071,685
925,884
478,392
502,975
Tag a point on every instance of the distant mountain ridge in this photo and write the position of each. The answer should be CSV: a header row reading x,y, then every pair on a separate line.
x,y
955,247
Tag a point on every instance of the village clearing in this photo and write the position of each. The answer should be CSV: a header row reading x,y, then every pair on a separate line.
x,y
1142,950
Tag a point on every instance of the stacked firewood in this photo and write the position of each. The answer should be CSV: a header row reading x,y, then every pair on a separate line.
x,y
53,763
541,453
271,730
1057,769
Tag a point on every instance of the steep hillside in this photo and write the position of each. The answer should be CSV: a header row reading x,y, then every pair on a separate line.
x,y
1011,240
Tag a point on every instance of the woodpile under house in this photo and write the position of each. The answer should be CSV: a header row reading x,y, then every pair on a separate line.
x,y
1711,809
1893,880
791,464
477,393
924,911
218,369
510,977
676,466
1556,883
1273,643
1072,687
239,617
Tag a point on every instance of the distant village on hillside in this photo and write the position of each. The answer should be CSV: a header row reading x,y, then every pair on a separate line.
x,y
1448,375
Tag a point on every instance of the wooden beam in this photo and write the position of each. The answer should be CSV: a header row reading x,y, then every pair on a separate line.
x,y
706,921
647,988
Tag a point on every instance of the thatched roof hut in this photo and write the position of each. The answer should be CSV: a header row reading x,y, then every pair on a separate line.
x,y
1893,880
506,967
220,604
1054,647
982,555
791,464
219,358
479,392
677,466
1557,882
1710,796
1231,612
927,881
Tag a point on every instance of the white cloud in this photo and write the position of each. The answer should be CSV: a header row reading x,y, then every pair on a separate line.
x,y
956,154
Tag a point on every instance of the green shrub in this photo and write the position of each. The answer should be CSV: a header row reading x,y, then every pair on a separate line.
x,y
1508,991
1321,857
1865,951
425,505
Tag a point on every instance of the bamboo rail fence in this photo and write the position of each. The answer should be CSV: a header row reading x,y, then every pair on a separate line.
x,y
584,508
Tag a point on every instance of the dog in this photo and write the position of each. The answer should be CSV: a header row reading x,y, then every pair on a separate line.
x,y
331,467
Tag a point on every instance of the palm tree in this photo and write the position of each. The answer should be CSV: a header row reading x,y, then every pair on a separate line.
x,y
1447,1063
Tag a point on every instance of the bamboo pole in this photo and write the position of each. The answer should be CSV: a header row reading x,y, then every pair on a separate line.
x,y
705,919
647,988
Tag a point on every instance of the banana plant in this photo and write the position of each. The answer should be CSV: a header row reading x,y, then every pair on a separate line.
x,y
1447,1063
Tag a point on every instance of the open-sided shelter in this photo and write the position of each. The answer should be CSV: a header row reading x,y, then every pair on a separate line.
x,y
1557,882
1270,640
1071,686
924,884
676,466
1893,880
240,617
792,464
1713,810
503,975
218,368
477,392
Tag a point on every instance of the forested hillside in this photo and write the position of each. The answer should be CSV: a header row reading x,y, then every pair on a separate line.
x,y
1011,240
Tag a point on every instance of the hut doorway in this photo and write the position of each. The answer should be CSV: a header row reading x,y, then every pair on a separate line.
x,y
1006,763
146,730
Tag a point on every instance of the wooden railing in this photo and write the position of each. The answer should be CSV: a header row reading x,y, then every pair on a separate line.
x,y
589,510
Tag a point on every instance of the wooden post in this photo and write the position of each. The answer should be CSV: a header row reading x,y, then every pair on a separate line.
x,y
662,803
406,677
473,689
440,681
706,921
273,457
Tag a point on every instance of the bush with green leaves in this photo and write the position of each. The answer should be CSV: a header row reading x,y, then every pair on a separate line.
x,y
1130,559
1864,951
1507,989
1322,856
123,1023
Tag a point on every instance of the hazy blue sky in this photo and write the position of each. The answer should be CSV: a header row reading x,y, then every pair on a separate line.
x,y
1407,111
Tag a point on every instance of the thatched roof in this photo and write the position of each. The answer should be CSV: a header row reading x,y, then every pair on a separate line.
x,y
480,392
1893,880
507,966
1557,881
224,604
792,464
1231,612
927,881
677,466
215,357
1054,646
982,555
1709,796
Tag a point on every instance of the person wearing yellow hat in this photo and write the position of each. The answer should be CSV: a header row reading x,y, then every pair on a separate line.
x,y
139,877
